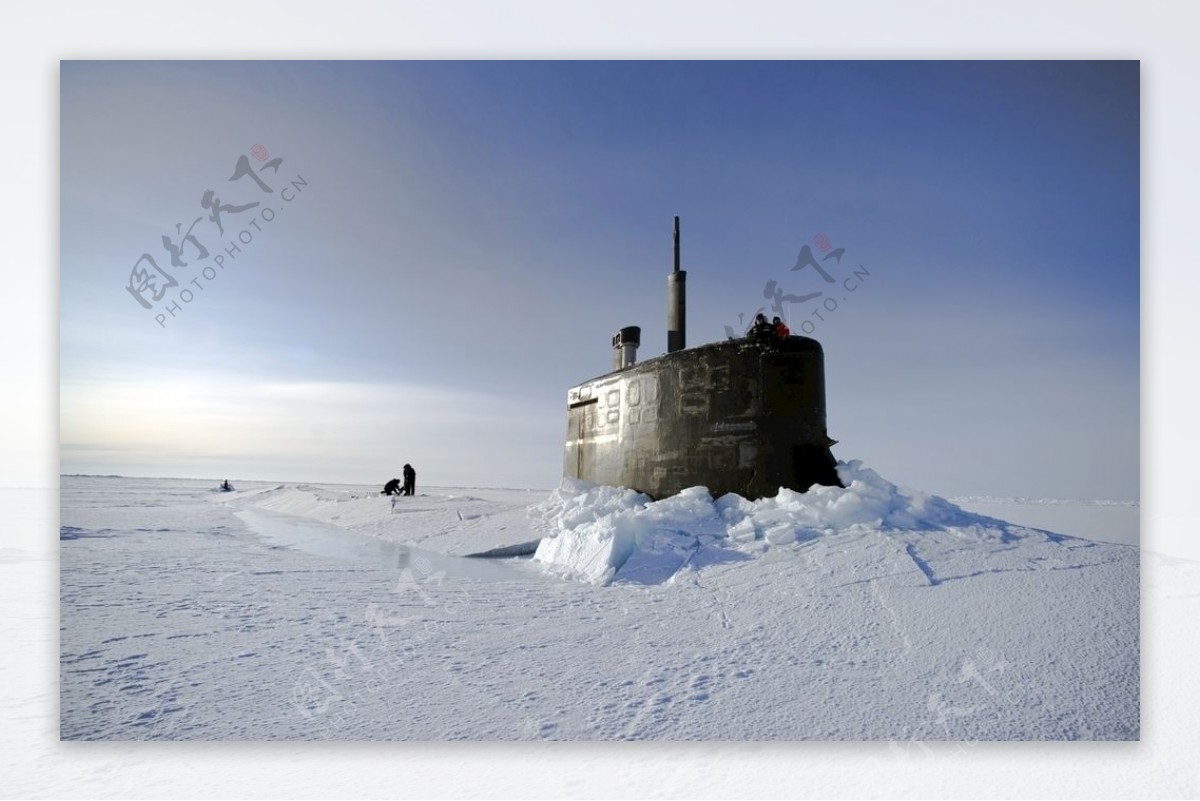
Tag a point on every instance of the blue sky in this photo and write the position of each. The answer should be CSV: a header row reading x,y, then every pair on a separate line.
x,y
471,234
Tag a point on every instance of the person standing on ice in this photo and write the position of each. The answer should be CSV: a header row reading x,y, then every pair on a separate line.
x,y
410,480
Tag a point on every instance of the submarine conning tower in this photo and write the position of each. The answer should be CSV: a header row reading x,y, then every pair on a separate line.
x,y
745,415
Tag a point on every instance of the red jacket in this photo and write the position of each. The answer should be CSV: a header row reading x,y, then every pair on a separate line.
x,y
782,331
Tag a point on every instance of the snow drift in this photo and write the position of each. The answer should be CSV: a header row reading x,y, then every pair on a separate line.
x,y
603,533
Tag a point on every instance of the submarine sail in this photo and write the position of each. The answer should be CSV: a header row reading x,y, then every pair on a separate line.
x,y
744,416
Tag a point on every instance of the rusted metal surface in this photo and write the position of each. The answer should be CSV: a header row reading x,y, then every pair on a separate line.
x,y
742,416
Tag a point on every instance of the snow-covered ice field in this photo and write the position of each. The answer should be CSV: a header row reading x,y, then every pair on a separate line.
x,y
297,612
1104,521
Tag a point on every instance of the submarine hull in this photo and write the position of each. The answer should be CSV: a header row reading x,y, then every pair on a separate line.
x,y
743,416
